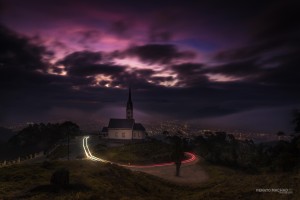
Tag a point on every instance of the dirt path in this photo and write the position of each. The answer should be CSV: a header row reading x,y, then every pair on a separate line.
x,y
191,173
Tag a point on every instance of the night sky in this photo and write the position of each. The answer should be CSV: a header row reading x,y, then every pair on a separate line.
x,y
222,64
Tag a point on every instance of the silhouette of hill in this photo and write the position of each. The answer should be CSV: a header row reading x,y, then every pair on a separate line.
x,y
5,134
94,180
37,137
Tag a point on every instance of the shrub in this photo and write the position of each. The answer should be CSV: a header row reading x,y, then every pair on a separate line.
x,y
60,178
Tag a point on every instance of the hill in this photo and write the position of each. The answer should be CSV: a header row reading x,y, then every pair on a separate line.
x,y
136,153
5,134
37,137
93,180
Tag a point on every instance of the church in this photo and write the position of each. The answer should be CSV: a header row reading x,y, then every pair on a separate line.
x,y
125,129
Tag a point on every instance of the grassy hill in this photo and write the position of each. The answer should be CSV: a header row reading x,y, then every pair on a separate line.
x,y
93,180
35,138
136,153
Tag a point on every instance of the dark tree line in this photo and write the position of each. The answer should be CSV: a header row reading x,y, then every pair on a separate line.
x,y
44,135
296,120
39,137
224,149
179,146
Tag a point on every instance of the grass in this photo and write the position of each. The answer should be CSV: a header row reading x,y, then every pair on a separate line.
x,y
93,180
226,183
99,181
59,152
136,153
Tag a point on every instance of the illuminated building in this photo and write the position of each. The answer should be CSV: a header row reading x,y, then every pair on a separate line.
x,y
125,129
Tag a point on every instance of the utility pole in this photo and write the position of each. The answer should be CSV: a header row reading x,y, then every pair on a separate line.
x,y
68,143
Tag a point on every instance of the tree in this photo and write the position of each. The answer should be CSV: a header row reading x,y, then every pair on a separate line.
x,y
60,178
296,120
178,153
70,128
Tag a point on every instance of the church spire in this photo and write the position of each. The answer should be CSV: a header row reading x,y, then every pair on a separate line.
x,y
129,107
129,97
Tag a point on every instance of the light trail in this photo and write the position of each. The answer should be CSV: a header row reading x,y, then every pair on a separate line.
x,y
88,152
89,155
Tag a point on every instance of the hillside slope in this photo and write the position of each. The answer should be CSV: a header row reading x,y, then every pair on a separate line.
x,y
93,180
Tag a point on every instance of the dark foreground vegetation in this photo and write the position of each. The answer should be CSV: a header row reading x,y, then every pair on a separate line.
x,y
37,137
93,180
277,156
224,149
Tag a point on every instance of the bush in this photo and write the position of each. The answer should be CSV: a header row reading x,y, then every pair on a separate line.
x,y
225,150
47,165
60,178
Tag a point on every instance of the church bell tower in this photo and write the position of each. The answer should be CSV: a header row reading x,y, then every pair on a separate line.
x,y
129,107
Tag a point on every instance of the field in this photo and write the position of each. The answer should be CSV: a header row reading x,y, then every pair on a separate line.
x,y
93,180
59,152
135,153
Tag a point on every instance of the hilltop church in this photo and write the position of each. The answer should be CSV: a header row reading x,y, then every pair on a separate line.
x,y
125,129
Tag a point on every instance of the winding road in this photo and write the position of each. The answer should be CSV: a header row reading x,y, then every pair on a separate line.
x,y
89,155
190,171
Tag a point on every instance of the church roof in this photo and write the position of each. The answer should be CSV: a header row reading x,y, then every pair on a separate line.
x,y
104,129
121,123
138,127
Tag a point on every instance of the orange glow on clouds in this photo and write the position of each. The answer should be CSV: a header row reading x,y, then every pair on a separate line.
x,y
222,78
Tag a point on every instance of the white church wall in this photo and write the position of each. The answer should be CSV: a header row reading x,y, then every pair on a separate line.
x,y
120,134
138,135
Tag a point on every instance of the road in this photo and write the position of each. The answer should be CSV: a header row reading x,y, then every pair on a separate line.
x,y
191,171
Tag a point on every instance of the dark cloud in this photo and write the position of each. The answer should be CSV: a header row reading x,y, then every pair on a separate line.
x,y
26,89
287,73
190,74
270,55
212,100
279,20
158,53
18,51
187,69
127,79
86,63
245,68
80,58
146,73
94,69
281,68
267,63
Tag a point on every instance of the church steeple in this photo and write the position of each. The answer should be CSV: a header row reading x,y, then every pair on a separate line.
x,y
129,107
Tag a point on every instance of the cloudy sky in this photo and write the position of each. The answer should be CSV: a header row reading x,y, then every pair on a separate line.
x,y
232,64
